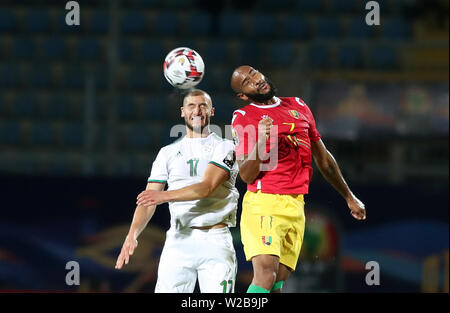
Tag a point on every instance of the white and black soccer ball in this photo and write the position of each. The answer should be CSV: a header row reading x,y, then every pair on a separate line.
x,y
183,68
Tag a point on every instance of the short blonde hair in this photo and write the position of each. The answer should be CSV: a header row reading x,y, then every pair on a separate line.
x,y
198,92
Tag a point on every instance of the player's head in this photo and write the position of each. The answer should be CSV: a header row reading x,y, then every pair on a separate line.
x,y
251,85
197,110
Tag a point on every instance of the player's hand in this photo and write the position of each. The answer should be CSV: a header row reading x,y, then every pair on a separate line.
x,y
264,127
357,208
150,197
127,249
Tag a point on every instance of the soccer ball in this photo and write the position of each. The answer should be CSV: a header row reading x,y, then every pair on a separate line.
x,y
183,68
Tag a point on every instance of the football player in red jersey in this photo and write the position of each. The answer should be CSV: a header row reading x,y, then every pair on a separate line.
x,y
273,220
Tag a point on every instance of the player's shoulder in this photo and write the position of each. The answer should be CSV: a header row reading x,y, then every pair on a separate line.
x,y
294,100
171,147
221,141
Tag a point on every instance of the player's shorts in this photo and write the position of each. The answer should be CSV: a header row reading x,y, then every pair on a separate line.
x,y
189,254
273,224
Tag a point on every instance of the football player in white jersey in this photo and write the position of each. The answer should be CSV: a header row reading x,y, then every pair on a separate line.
x,y
200,171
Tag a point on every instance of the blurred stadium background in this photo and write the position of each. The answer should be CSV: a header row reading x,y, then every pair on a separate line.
x,y
84,110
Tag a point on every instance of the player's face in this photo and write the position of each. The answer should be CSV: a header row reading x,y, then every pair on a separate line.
x,y
255,86
197,112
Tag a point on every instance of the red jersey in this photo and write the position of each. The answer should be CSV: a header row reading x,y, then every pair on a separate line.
x,y
296,130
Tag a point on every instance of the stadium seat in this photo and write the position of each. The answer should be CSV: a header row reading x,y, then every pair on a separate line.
x,y
9,75
358,29
57,107
23,48
281,54
73,135
230,24
343,6
295,27
250,52
278,5
141,136
263,26
220,80
198,24
99,22
153,51
125,50
25,106
42,134
155,108
318,56
178,4
308,6
383,57
88,49
166,24
54,48
215,52
127,108
327,27
395,29
41,76
10,134
139,78
350,56
149,3
74,77
37,21
7,20
134,22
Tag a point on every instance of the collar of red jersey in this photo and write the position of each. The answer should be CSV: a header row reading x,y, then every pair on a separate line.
x,y
268,106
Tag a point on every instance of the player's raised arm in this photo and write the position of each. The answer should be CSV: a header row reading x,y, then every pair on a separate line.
x,y
142,216
330,170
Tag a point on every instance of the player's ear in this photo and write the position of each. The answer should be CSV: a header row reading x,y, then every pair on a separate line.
x,y
212,111
242,96
182,111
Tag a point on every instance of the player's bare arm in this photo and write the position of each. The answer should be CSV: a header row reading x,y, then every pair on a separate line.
x,y
142,216
330,170
212,178
249,164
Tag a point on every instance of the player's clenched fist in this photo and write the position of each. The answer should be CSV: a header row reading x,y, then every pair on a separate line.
x,y
127,249
264,127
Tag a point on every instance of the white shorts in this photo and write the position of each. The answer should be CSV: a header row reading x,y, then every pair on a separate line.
x,y
189,254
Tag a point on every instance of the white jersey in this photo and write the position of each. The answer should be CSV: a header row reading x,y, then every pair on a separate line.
x,y
182,164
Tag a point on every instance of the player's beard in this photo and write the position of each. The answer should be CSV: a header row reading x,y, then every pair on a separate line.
x,y
263,97
196,129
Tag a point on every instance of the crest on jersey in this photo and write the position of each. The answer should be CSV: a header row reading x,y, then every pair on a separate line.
x,y
294,114
267,240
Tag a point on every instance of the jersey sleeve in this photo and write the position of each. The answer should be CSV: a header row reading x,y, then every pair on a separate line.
x,y
159,173
224,156
313,133
244,133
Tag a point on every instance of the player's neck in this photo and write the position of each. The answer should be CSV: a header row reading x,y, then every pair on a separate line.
x,y
273,100
192,134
